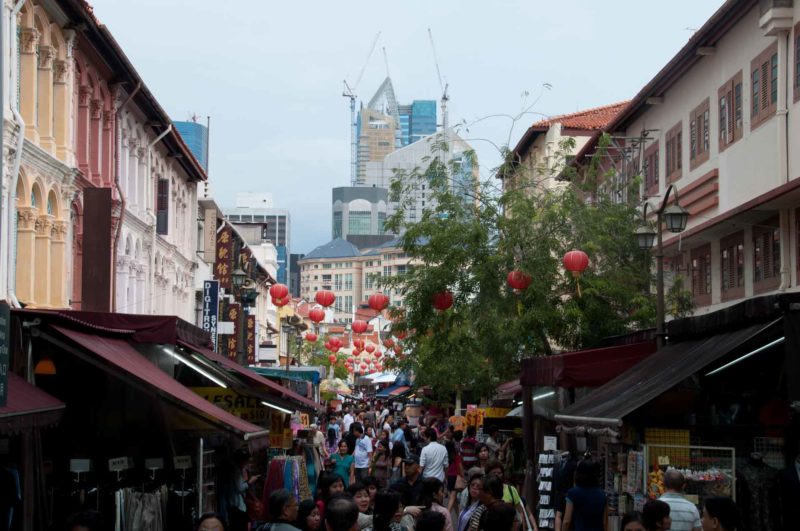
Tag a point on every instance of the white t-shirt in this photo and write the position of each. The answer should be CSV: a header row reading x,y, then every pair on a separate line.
x,y
434,461
347,420
362,451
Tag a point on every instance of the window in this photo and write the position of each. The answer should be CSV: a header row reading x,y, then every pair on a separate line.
x,y
387,271
701,275
764,86
337,225
337,282
401,270
162,207
730,111
359,222
674,153
797,62
698,131
651,170
766,255
326,266
348,282
731,252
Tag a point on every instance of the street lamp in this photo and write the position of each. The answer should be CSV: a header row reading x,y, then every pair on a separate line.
x,y
238,277
675,218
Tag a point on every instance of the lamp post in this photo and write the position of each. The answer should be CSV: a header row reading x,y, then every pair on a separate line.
x,y
674,217
247,296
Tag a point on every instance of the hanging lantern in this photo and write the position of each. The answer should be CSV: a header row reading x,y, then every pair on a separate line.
x,y
398,349
355,352
325,298
278,291
363,365
350,369
332,358
311,337
519,280
359,326
400,334
442,300
280,302
359,344
351,360
378,301
317,315
370,348
328,345
576,263
388,342
336,342
378,354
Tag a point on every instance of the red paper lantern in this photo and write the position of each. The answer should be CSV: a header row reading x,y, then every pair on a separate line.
x,y
400,334
370,348
311,337
378,354
355,352
351,360
325,298
519,280
442,300
378,301
388,342
350,369
278,291
328,345
317,315
359,326
336,342
281,302
398,349
359,344
363,365
332,358
576,262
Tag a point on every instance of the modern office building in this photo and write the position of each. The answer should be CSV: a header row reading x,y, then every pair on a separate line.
x,y
294,274
196,137
416,121
358,211
258,223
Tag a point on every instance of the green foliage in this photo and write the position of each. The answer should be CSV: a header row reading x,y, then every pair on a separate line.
x,y
477,233
679,300
315,354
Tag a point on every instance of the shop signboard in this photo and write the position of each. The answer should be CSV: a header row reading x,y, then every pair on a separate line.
x,y
232,344
209,235
5,341
250,343
280,430
211,309
224,258
247,408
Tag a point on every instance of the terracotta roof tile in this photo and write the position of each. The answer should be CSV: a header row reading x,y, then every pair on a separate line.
x,y
589,119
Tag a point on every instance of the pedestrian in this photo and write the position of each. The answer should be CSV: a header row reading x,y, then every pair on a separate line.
x,y
510,493
632,521
469,448
344,464
342,514
496,450
433,458
411,484
283,511
308,517
396,463
431,521
455,468
380,464
684,514
720,514
372,489
328,486
586,509
318,439
491,494
655,516
500,517
351,437
432,498
362,452
237,508
398,435
347,420
360,494
332,442
469,499
483,453
388,512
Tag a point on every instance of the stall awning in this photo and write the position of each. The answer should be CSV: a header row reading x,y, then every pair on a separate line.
x,y
584,368
292,374
655,375
508,390
123,356
27,407
231,365
393,391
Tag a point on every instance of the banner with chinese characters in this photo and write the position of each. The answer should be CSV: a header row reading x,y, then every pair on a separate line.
x,y
251,339
224,257
211,309
232,315
245,407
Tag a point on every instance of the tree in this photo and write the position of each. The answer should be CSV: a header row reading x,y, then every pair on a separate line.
x,y
478,232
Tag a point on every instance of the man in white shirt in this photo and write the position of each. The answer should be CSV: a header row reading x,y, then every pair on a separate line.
x,y
433,458
684,514
362,453
347,420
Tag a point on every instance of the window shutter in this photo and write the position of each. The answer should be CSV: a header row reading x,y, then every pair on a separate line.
x,y
731,119
765,86
678,149
162,207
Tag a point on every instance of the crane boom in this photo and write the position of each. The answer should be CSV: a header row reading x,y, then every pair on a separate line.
x,y
445,98
386,62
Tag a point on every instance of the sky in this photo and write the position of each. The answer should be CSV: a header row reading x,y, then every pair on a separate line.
x,y
269,74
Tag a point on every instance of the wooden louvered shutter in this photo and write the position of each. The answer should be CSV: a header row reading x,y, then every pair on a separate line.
x,y
765,88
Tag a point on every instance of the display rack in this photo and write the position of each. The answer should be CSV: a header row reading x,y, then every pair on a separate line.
x,y
206,479
624,468
544,477
709,470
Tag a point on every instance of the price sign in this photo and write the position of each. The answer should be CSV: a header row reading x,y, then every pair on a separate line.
x,y
118,464
550,443
663,460
182,462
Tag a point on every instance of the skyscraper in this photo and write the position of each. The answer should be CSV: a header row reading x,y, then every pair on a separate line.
x,y
417,120
196,137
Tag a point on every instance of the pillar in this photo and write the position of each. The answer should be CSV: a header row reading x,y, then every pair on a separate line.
x,y
58,260
61,120
42,263
95,140
82,142
140,289
44,118
26,252
107,168
122,302
28,70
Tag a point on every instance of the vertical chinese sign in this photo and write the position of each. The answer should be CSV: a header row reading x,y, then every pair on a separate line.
x,y
251,339
211,309
224,256
233,312
5,341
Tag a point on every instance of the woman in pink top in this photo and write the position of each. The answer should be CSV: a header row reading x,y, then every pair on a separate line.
x,y
432,497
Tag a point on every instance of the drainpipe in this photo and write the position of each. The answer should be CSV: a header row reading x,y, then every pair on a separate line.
x,y
782,113
152,214
11,210
122,203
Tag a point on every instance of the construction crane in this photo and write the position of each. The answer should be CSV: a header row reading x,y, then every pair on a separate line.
x,y
350,92
445,97
386,62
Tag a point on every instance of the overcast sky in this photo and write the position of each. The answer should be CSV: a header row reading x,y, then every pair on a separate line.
x,y
270,74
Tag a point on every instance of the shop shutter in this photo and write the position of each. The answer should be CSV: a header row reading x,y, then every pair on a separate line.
x,y
162,207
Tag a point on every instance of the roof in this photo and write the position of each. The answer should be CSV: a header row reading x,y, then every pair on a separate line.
x,y
730,13
27,407
338,248
594,119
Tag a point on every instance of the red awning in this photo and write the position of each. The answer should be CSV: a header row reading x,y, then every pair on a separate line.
x,y
400,390
27,407
122,355
253,376
508,390
584,368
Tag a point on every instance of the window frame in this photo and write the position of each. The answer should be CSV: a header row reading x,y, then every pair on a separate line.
x,y
673,158
652,176
760,100
773,280
700,134
734,128
732,241
701,283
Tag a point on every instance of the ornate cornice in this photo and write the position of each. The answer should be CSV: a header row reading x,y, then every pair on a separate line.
x,y
46,55
43,225
59,231
60,71
29,37
84,95
96,107
26,217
